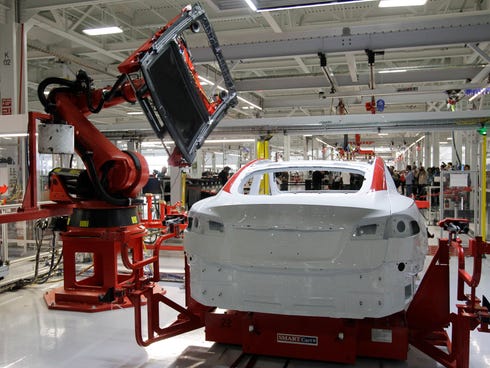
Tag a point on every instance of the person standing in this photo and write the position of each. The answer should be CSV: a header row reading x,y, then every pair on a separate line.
x,y
402,182
422,182
316,180
409,181
224,175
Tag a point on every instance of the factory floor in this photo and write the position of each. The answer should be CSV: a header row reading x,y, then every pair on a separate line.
x,y
34,336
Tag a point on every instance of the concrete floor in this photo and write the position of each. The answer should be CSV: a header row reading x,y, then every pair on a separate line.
x,y
33,336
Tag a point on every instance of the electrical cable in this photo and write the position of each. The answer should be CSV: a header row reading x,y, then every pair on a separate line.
x,y
101,192
48,81
41,279
41,226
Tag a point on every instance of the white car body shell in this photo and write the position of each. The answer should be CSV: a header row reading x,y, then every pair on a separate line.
x,y
339,254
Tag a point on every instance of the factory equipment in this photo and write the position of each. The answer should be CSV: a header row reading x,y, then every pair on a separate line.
x,y
101,200
102,204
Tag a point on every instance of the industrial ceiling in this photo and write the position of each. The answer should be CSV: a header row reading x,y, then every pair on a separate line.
x,y
423,55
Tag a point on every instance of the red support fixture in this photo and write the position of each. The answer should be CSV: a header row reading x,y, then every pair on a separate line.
x,y
190,317
105,288
427,319
171,223
424,325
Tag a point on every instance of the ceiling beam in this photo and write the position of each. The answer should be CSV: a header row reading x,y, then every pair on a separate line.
x,y
341,124
29,8
313,81
451,30
52,27
394,122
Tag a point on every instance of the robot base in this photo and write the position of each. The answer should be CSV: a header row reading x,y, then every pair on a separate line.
x,y
81,301
108,234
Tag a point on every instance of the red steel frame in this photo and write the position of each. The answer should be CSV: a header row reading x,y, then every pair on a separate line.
x,y
423,325
166,232
107,245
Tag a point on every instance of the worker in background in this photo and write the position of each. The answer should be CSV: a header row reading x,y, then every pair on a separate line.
x,y
402,182
409,181
224,175
345,180
316,180
422,182
396,177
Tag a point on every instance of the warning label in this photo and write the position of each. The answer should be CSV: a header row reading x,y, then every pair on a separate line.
x,y
6,106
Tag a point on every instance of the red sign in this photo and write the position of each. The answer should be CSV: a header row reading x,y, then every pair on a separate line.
x,y
6,106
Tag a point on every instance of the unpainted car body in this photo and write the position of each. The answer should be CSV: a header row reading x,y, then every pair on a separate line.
x,y
349,252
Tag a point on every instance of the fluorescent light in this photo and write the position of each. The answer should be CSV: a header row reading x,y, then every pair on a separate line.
x,y
382,134
6,135
102,31
155,144
449,138
302,6
386,71
229,140
325,143
207,81
443,142
134,113
251,5
399,3
250,103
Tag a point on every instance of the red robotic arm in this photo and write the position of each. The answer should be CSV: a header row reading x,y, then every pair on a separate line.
x,y
113,172
169,78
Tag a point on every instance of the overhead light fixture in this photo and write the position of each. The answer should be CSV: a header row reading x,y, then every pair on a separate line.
x,y
134,113
310,4
245,140
207,81
386,71
443,142
382,134
155,144
251,5
102,31
250,103
8,135
400,3
325,143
